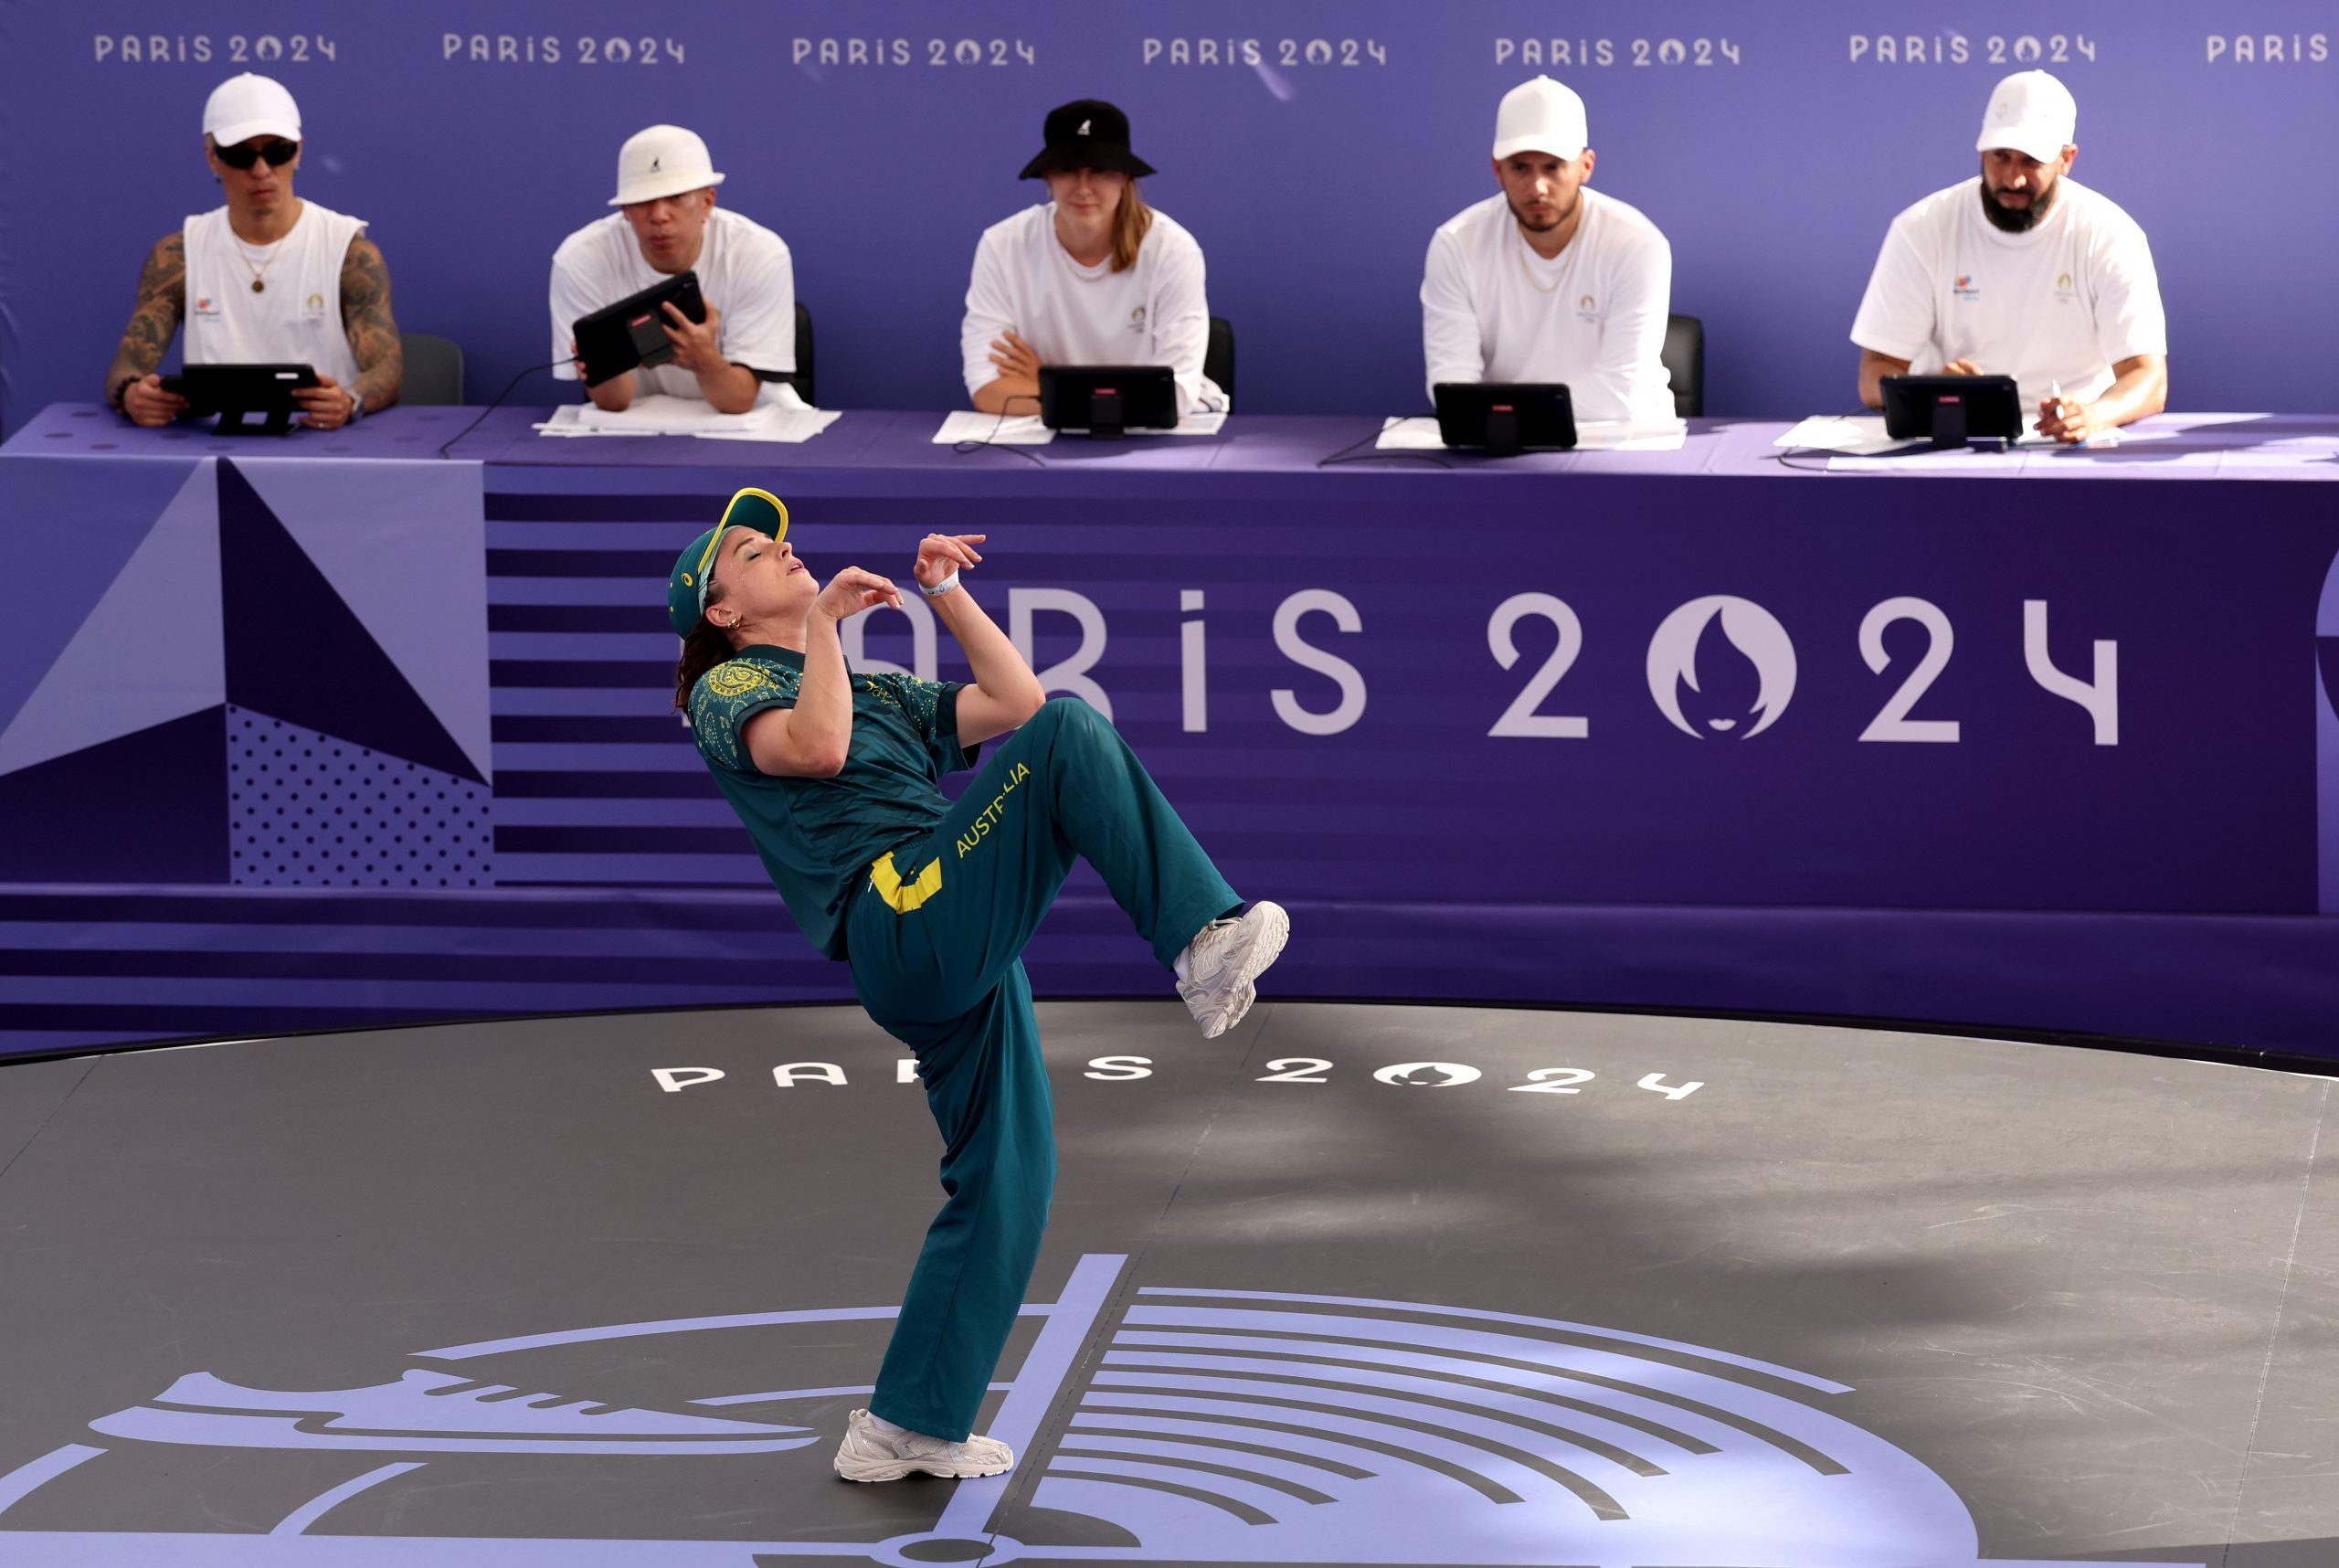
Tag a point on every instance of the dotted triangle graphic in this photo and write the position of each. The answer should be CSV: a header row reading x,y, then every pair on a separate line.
x,y
311,810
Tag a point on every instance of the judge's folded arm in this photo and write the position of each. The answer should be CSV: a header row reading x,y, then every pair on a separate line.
x,y
1015,389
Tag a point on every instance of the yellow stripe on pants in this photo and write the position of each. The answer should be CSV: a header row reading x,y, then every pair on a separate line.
x,y
904,897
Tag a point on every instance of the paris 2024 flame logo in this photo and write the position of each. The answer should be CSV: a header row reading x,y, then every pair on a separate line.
x,y
1719,636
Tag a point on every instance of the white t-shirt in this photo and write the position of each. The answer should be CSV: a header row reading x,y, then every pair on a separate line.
x,y
744,271
1592,317
1026,282
2062,304
296,319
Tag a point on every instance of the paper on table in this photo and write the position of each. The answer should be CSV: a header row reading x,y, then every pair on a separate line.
x,y
569,421
1025,430
1409,433
659,414
1418,433
776,422
779,415
1920,458
1838,433
1862,435
965,426
1621,436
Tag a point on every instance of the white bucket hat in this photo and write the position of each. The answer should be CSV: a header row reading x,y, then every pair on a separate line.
x,y
245,106
2033,113
1540,116
663,161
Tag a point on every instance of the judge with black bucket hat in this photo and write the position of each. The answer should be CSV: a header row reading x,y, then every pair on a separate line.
x,y
1094,276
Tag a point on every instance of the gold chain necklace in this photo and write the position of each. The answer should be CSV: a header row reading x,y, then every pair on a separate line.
x,y
1530,271
260,284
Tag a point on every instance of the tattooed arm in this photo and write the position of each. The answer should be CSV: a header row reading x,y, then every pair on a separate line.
x,y
373,334
373,339
131,384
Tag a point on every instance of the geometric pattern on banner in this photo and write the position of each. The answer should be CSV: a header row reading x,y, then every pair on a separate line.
x,y
147,653
311,810
139,807
295,651
401,542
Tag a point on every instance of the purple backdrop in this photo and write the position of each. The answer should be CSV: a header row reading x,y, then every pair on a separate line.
x,y
394,738
1771,144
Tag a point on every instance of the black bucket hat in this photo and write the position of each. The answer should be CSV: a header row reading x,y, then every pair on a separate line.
x,y
1086,133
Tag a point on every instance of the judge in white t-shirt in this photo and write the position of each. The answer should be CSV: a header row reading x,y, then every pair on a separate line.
x,y
2024,273
667,222
265,279
1095,277
1546,280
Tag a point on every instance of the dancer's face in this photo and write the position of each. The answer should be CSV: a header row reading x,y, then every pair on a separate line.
x,y
761,579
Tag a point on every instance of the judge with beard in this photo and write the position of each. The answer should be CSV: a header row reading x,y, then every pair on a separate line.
x,y
2022,272
1548,280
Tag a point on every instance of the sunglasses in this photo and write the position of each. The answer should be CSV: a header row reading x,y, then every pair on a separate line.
x,y
242,156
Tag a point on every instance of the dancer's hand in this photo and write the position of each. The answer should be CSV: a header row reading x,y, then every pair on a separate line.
x,y
940,554
853,590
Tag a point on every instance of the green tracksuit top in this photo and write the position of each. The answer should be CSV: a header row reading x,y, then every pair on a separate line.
x,y
819,837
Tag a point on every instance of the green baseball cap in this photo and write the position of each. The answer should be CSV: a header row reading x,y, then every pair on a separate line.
x,y
686,588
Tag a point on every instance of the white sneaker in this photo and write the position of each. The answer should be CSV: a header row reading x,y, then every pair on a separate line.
x,y
1224,961
868,1455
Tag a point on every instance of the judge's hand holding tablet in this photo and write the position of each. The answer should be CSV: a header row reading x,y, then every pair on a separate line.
x,y
698,344
147,404
327,406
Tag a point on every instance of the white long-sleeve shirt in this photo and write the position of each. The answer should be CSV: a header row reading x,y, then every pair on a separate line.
x,y
1155,313
1593,317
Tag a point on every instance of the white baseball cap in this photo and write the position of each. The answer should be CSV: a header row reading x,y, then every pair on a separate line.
x,y
663,161
1540,116
2033,113
245,106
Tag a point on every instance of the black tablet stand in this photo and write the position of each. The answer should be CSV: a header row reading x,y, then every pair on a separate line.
x,y
1949,419
1502,431
276,421
1106,410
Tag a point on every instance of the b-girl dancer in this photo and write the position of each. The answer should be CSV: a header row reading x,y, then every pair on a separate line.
x,y
834,773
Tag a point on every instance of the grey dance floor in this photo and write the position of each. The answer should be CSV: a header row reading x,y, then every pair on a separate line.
x,y
1354,1285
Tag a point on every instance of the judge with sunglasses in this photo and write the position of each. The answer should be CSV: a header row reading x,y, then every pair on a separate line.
x,y
265,279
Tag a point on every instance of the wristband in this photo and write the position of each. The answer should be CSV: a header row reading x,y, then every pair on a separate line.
x,y
356,407
938,590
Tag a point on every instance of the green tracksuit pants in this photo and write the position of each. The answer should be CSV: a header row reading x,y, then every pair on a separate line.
x,y
936,941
